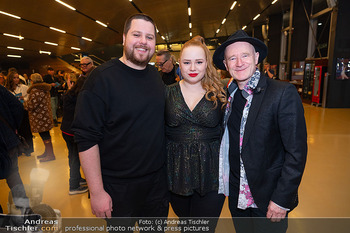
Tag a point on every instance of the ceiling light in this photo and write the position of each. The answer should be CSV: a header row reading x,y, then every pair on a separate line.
x,y
15,48
274,2
189,11
190,34
257,16
319,24
233,5
11,15
75,48
50,43
190,25
66,5
217,31
44,52
105,25
244,27
17,56
223,21
163,37
10,35
85,38
56,29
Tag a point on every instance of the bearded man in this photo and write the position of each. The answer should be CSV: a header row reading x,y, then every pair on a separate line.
x,y
119,129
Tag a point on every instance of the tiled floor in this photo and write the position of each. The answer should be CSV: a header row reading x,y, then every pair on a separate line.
x,y
324,191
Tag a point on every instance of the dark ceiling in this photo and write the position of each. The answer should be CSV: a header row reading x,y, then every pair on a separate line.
x,y
171,17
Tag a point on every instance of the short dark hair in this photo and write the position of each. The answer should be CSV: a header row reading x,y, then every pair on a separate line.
x,y
145,17
50,68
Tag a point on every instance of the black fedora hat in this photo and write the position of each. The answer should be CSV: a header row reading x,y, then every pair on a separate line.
x,y
240,35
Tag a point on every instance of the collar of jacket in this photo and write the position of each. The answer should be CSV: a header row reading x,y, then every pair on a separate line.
x,y
40,86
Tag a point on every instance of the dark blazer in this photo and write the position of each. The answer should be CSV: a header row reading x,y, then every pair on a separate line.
x,y
275,144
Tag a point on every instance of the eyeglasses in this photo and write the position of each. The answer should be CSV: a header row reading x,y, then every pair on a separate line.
x,y
160,65
84,64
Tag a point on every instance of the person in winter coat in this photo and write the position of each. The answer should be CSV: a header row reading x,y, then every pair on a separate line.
x,y
40,115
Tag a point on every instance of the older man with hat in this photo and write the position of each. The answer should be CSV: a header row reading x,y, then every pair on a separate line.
x,y
264,147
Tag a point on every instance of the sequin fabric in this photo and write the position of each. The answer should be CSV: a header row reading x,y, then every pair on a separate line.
x,y
193,141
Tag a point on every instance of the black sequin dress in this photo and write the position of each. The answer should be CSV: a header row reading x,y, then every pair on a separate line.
x,y
193,142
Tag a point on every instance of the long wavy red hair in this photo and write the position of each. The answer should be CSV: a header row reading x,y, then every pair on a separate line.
x,y
211,81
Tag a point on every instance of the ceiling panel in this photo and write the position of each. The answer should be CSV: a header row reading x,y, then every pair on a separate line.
x,y
170,16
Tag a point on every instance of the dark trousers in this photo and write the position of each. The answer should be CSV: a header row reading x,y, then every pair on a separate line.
x,y
195,205
45,135
253,220
146,196
73,161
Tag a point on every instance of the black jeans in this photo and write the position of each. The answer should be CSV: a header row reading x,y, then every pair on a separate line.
x,y
74,162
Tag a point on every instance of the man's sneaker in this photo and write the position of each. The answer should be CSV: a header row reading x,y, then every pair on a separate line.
x,y
80,189
82,182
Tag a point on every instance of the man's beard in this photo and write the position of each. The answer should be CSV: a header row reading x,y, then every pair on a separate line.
x,y
143,61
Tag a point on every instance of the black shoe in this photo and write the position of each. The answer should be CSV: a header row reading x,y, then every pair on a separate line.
x,y
82,182
80,189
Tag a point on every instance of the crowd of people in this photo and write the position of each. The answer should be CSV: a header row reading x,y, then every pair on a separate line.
x,y
29,105
145,138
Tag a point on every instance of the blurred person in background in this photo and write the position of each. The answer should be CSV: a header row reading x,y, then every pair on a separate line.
x,y
22,79
11,112
167,65
53,81
19,90
86,66
40,115
76,183
2,78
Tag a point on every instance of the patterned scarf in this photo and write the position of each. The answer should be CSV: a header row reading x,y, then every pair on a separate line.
x,y
224,165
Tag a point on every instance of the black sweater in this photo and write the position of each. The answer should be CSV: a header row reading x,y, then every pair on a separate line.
x,y
122,110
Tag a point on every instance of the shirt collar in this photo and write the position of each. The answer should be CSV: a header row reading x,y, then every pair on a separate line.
x,y
251,84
